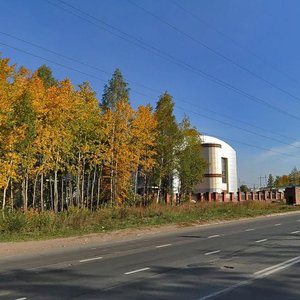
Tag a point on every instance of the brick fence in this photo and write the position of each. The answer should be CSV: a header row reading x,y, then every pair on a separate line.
x,y
239,196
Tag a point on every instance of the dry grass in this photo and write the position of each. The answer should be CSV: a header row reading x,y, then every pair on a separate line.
x,y
35,225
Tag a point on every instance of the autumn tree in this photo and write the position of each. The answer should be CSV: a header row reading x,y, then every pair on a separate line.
x,y
118,136
8,138
294,176
24,120
144,135
89,149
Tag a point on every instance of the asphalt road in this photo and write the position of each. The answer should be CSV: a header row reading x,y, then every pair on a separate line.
x,y
252,259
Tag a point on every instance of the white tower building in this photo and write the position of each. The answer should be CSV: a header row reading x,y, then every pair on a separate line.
x,y
221,174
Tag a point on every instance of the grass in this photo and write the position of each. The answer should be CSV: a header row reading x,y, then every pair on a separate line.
x,y
33,225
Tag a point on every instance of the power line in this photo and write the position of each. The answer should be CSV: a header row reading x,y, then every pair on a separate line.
x,y
252,146
214,119
172,59
68,58
61,65
137,83
234,41
240,128
212,50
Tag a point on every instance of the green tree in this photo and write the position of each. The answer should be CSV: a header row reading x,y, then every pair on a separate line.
x,y
115,91
271,182
191,162
244,188
168,144
45,74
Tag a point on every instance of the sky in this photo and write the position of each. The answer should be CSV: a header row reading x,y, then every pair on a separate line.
x,y
231,66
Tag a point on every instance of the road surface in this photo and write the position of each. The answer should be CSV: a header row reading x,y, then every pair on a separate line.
x,y
250,259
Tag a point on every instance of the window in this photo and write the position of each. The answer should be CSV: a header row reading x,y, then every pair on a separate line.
x,y
224,170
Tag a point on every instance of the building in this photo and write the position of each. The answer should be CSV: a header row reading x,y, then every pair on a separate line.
x,y
221,174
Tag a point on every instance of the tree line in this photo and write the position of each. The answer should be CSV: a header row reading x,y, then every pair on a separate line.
x,y
293,178
61,146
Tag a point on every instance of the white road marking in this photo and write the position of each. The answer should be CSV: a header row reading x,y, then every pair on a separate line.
x,y
162,246
213,252
21,298
4,292
250,229
257,275
136,271
90,259
260,241
278,224
298,220
213,236
294,232
278,267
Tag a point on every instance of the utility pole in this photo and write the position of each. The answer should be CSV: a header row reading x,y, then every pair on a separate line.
x,y
260,178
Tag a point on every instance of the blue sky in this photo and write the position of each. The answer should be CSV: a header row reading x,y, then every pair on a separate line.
x,y
190,48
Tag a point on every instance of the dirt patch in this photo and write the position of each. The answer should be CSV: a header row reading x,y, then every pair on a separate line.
x,y
10,249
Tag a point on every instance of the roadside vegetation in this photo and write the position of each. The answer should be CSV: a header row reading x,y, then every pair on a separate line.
x,y
34,225
61,146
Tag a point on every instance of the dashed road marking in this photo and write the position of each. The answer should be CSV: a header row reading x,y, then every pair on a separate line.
x,y
250,229
295,232
260,241
24,298
212,252
162,246
90,259
213,236
278,224
136,271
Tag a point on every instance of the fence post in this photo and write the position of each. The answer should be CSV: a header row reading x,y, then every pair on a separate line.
x,y
239,196
223,196
208,196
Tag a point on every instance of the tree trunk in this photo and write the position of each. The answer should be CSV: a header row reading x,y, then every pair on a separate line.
x,y
24,194
158,192
78,180
92,189
88,189
82,183
55,192
99,186
111,185
34,191
71,203
42,192
4,194
26,191
12,194
51,193
62,194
